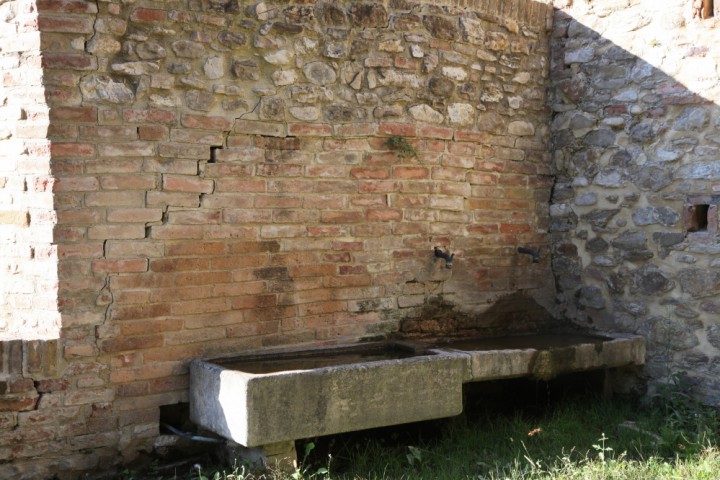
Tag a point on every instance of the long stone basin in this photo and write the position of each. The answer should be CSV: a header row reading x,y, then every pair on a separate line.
x,y
278,396
545,355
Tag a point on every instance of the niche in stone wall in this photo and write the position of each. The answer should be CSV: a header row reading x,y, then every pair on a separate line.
x,y
700,215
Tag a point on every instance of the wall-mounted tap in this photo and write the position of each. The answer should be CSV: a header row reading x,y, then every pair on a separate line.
x,y
529,251
446,255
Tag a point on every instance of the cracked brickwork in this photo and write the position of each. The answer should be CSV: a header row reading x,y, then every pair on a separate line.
x,y
215,177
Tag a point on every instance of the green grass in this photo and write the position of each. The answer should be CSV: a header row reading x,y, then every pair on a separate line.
x,y
588,439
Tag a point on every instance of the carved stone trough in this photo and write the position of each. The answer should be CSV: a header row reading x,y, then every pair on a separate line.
x,y
272,398
544,356
280,396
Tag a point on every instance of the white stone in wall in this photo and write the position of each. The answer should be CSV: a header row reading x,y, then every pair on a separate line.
x,y
100,88
515,102
393,78
320,73
307,114
472,30
102,45
460,113
492,94
522,78
455,73
426,114
394,46
281,57
560,210
284,77
521,128
214,68
579,55
163,101
135,68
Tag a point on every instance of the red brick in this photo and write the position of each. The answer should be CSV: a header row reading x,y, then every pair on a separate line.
x,y
132,343
74,114
147,372
514,228
134,389
128,149
313,130
67,6
135,265
177,232
116,232
168,384
66,24
355,130
240,154
368,172
206,122
341,217
73,61
240,185
150,116
127,182
115,199
134,215
399,129
152,132
185,150
429,131
250,127
179,264
416,173
156,325
18,403
175,199
173,353
148,15
108,132
384,215
176,183
140,312
378,186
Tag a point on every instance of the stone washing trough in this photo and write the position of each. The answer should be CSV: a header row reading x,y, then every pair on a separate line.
x,y
276,397
544,356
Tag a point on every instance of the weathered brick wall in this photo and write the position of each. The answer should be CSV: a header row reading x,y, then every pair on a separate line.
x,y
635,130
223,183
28,261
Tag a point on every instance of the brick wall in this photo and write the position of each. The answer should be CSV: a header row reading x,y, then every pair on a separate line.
x,y
28,279
222,182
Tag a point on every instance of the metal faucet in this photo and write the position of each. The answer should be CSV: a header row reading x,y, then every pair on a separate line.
x,y
529,251
446,255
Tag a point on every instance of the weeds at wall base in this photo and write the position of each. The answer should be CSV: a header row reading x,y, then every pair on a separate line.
x,y
577,439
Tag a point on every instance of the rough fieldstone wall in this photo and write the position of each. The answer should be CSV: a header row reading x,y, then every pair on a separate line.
x,y
222,182
636,137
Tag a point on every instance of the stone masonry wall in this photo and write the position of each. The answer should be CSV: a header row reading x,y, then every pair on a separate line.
x,y
634,215
223,182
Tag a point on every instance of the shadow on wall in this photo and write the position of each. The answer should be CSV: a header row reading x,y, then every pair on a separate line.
x,y
636,137
515,313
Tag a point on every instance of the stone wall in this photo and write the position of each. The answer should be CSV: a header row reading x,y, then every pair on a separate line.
x,y
636,131
223,182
